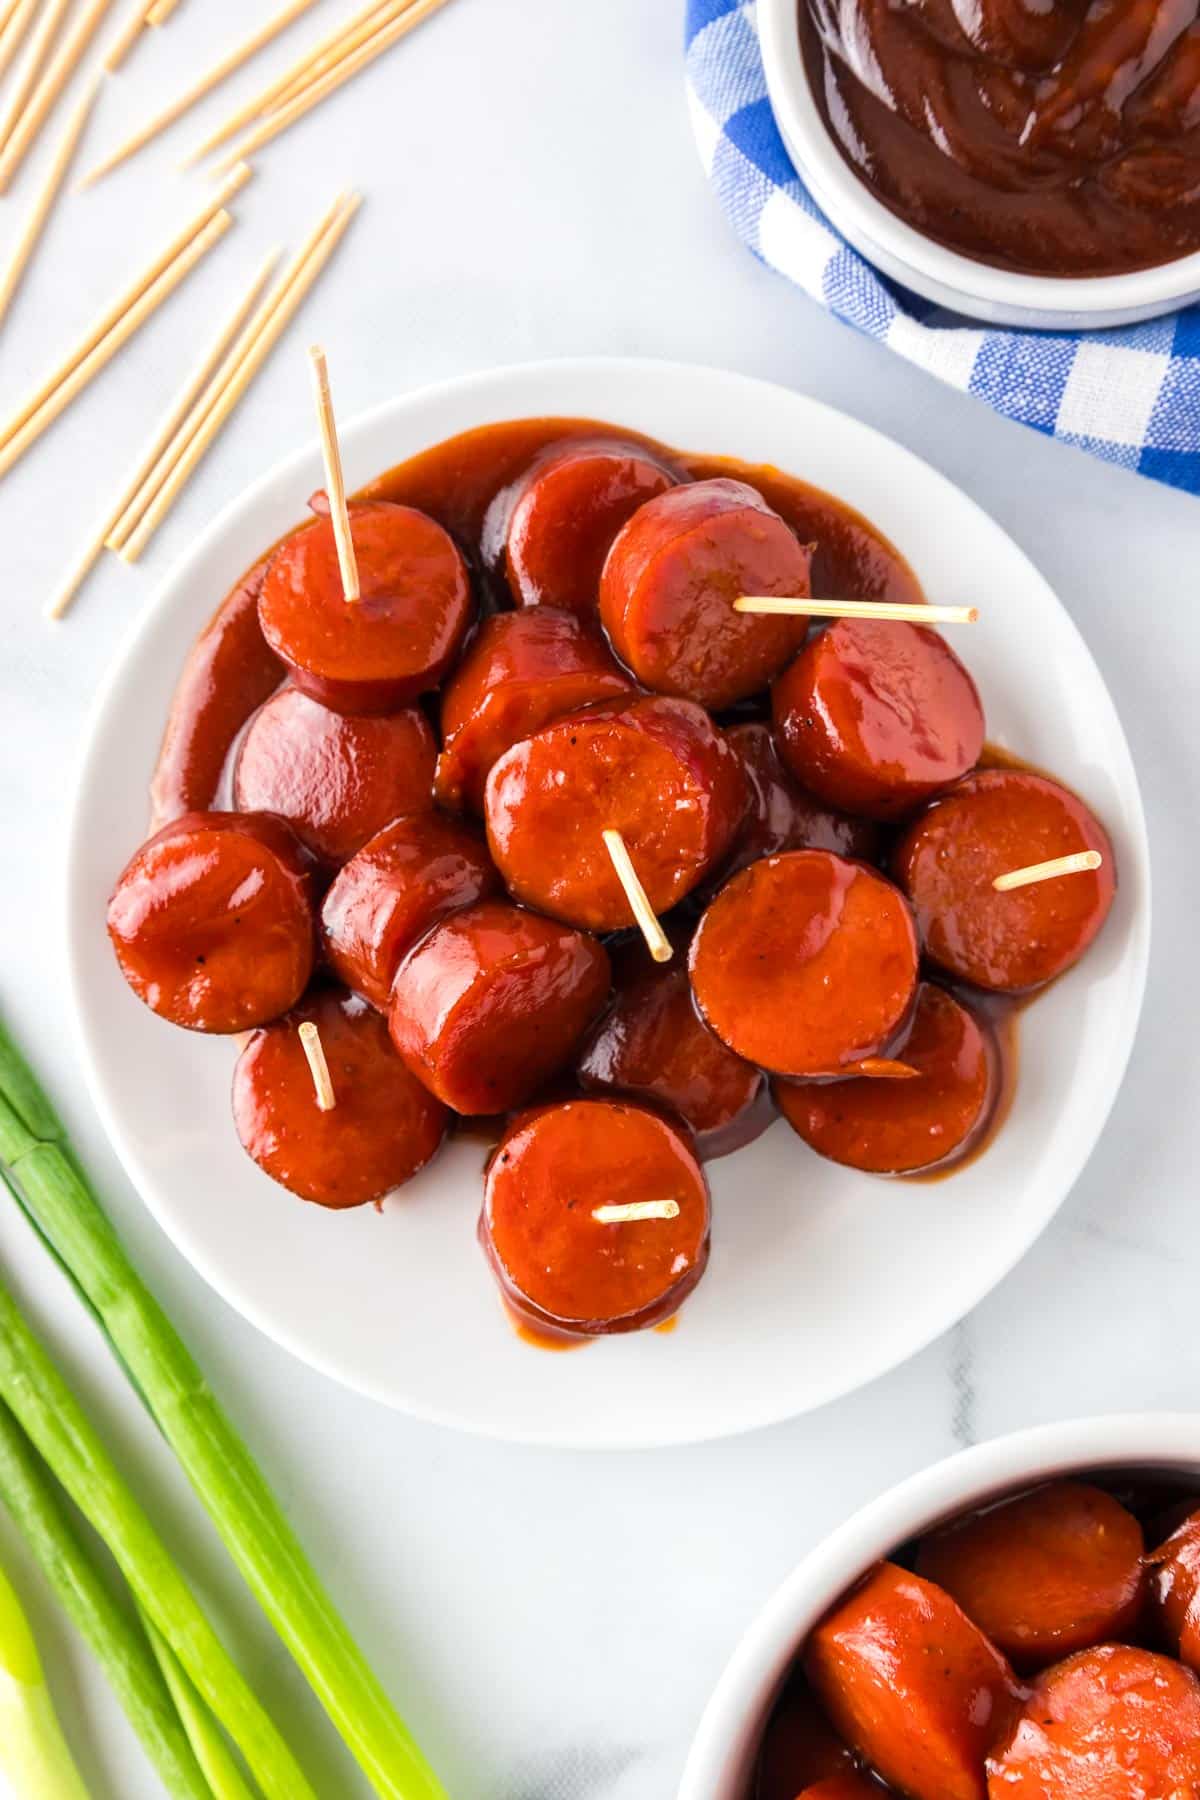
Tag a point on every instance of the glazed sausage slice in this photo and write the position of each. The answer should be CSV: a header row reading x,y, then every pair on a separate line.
x,y
336,780
876,716
384,1126
912,1685
1046,1574
995,821
652,1042
1174,1577
565,516
1113,1723
229,672
522,670
782,816
561,1270
406,878
799,1747
899,1126
493,1002
656,770
212,921
672,575
850,1786
805,963
399,640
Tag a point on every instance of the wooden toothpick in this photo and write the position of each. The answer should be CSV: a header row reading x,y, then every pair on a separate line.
x,y
335,486
314,1050
1047,871
858,609
634,1210
657,941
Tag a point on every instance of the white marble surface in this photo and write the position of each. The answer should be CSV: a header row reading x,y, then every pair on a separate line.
x,y
552,1623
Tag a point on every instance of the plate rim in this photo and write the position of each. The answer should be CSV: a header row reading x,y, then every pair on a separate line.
x,y
1135,957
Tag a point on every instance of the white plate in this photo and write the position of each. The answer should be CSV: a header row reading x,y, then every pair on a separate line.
x,y
820,1278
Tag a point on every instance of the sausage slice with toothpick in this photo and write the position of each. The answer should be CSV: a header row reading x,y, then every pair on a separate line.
x,y
595,1218
994,822
398,639
370,1132
655,770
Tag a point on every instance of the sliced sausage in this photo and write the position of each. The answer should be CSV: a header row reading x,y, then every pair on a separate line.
x,y
805,963
406,878
383,1127
212,921
993,822
1174,1577
336,780
877,716
398,640
652,1042
1046,1574
672,575
900,1126
522,670
1113,1723
782,816
799,1747
656,770
493,1002
912,1685
229,672
565,515
560,1269
851,1786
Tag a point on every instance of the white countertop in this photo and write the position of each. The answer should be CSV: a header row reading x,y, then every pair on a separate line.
x,y
552,1623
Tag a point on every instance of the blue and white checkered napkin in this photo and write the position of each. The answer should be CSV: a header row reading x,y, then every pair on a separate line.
x,y
1131,395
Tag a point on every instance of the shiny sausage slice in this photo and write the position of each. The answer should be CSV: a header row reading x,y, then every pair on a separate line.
x,y
912,1685
406,878
493,1002
1046,1574
877,716
397,641
805,963
799,1747
672,575
782,816
652,1042
901,1126
384,1126
566,1273
850,1786
565,516
993,822
212,921
522,670
336,780
1174,1577
656,770
1113,1723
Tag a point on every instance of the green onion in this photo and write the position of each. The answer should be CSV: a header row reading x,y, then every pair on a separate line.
x,y
34,1759
54,1421
63,1206
204,1734
118,1646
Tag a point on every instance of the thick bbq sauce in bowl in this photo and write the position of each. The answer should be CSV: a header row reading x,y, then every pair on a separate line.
x,y
1050,139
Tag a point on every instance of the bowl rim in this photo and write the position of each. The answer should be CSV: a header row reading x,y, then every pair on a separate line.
x,y
939,272
729,1726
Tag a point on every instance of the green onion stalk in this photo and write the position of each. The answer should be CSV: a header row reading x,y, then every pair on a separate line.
x,y
56,1424
115,1640
63,1206
34,1758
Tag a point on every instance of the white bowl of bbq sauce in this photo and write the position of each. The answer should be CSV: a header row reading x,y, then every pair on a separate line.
x,y
724,1754
945,276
